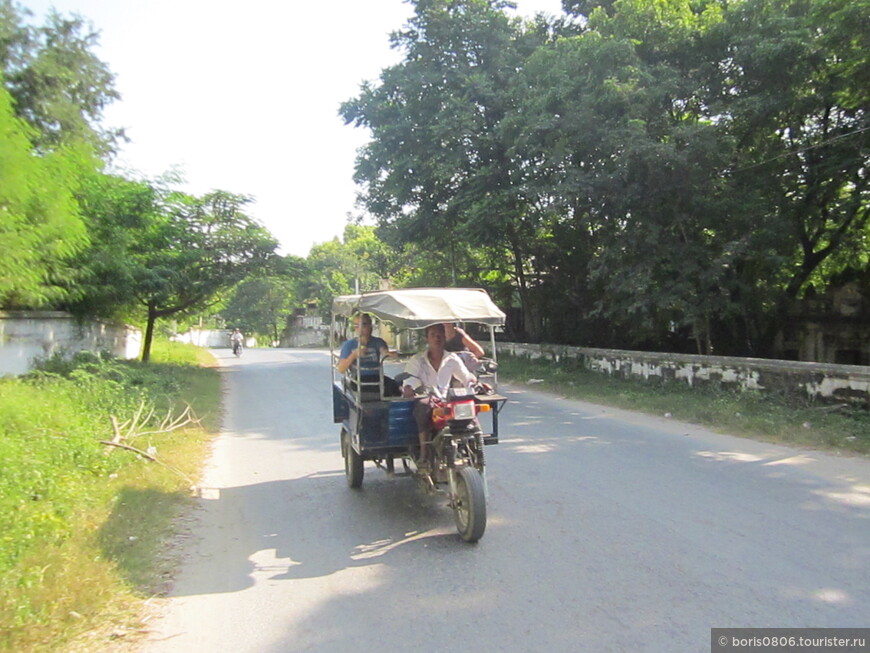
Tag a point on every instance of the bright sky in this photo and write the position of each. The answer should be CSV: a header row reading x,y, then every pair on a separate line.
x,y
244,96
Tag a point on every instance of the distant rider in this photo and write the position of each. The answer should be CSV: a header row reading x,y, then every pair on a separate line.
x,y
237,339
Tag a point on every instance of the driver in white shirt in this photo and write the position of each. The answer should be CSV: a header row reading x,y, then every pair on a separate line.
x,y
434,368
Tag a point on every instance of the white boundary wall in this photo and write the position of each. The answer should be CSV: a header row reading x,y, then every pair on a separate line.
x,y
825,381
28,335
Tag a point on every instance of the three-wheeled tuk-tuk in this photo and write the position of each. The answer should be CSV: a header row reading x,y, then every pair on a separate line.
x,y
378,425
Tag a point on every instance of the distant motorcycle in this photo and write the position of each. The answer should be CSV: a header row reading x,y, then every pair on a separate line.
x,y
236,339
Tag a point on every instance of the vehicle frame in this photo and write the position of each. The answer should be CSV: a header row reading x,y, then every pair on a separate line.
x,y
382,429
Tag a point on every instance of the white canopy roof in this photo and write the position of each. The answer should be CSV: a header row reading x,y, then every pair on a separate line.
x,y
415,308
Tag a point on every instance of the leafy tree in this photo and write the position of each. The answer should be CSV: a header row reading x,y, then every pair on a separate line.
x,y
59,85
197,248
796,96
334,270
40,225
696,163
262,304
120,215
670,270
661,173
437,172
52,95
157,253
620,166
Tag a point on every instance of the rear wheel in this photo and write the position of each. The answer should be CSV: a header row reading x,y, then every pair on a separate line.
x,y
353,462
469,506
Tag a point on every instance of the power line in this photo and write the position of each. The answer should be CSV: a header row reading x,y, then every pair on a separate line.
x,y
854,132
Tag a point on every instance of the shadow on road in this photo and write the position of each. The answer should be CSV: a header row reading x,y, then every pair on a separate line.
x,y
309,527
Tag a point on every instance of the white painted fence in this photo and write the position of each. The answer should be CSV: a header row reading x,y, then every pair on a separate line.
x,y
28,335
826,381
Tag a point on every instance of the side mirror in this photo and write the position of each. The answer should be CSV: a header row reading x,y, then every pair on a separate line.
x,y
488,365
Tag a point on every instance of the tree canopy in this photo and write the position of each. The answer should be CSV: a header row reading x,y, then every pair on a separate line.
x,y
52,91
40,224
667,174
194,249
59,85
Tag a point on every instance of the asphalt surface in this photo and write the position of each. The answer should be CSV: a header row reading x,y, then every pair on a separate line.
x,y
607,531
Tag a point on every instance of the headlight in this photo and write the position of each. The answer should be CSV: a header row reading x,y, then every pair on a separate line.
x,y
463,410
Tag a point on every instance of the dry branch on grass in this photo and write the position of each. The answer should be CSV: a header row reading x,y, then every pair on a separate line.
x,y
133,427
169,423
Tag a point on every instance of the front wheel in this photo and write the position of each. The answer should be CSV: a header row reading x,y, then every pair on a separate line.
x,y
469,505
353,462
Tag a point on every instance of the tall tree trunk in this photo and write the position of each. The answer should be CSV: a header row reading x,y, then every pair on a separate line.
x,y
149,334
529,321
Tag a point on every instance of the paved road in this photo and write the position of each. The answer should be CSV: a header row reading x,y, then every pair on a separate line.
x,y
607,531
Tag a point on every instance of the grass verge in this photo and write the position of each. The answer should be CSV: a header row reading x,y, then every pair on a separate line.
x,y
83,526
748,414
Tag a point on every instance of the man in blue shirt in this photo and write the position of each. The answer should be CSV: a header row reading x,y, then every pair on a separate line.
x,y
367,351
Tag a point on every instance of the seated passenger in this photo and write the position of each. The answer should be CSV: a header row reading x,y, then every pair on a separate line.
x,y
366,351
458,341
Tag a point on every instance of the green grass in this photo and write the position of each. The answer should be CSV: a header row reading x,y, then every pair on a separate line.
x,y
749,414
83,526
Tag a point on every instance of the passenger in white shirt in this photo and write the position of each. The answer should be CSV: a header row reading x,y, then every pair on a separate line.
x,y
437,368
